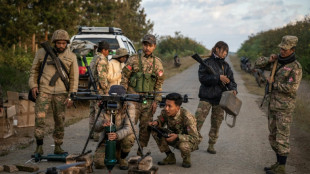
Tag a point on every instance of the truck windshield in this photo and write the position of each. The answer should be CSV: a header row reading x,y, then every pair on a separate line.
x,y
113,42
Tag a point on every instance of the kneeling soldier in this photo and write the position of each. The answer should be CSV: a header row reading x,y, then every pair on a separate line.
x,y
123,135
183,125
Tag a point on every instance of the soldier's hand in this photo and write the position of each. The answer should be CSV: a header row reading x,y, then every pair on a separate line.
x,y
34,92
234,92
224,79
154,107
112,136
172,137
105,124
69,102
153,123
273,57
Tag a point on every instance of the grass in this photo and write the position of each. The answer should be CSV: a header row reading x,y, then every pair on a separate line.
x,y
171,70
249,80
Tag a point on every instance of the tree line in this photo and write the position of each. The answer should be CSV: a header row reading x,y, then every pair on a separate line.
x,y
24,21
266,42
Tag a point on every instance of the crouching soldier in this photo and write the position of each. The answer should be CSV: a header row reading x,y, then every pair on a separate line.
x,y
183,125
123,135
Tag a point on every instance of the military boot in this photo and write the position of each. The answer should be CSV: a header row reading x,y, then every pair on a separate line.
x,y
186,162
279,169
123,164
39,150
271,167
170,159
58,150
211,149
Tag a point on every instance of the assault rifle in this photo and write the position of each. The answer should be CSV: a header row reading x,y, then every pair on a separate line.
x,y
268,87
61,69
162,132
91,77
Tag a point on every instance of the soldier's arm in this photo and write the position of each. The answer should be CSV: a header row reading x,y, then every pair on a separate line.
x,y
34,72
99,124
127,129
190,124
159,81
102,69
161,119
263,63
126,72
74,75
292,83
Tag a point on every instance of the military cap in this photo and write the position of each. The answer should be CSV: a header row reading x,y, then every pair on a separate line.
x,y
121,52
117,89
288,42
149,38
103,45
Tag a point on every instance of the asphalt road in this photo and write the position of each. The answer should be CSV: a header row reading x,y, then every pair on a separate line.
x,y
243,149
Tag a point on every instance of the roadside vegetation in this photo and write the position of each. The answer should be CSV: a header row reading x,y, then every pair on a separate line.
x,y
266,42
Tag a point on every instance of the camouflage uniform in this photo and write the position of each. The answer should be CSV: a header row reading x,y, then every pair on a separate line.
x,y
282,102
99,67
53,96
183,124
143,110
125,137
217,117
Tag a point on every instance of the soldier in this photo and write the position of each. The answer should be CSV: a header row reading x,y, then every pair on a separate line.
x,y
211,89
144,73
99,67
116,65
123,135
183,125
287,78
53,96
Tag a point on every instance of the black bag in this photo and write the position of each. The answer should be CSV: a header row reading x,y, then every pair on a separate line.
x,y
30,96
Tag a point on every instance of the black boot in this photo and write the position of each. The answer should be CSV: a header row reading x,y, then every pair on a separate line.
x,y
279,169
39,149
123,164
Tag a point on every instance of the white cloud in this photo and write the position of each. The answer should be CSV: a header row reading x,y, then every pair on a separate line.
x,y
209,21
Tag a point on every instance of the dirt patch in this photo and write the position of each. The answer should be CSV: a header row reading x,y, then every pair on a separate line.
x,y
300,137
171,70
25,136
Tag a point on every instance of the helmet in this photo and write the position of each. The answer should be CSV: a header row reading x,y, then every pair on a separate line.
x,y
60,35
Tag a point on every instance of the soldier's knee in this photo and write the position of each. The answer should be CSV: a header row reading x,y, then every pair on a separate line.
x,y
185,147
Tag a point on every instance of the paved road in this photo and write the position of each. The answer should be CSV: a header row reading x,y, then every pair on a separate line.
x,y
243,149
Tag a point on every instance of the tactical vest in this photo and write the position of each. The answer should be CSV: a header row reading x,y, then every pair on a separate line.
x,y
143,82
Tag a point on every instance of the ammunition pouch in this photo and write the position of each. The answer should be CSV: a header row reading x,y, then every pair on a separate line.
x,y
143,82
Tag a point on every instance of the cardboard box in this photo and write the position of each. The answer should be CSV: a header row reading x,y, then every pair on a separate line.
x,y
24,109
6,122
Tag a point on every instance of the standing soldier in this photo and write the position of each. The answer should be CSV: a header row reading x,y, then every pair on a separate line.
x,y
211,89
288,74
184,134
144,73
116,65
53,94
99,67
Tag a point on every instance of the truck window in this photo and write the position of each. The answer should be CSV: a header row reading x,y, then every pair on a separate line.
x,y
113,42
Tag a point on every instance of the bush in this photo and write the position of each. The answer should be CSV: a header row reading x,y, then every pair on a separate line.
x,y
266,43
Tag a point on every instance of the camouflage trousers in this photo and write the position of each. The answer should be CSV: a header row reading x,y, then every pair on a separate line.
x,y
43,103
144,116
279,131
92,112
217,117
185,147
123,145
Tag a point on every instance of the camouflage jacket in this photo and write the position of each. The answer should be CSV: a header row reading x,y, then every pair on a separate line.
x,y
286,83
122,123
100,68
183,123
132,65
69,60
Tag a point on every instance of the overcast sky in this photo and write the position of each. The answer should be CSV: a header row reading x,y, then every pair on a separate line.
x,y
208,21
